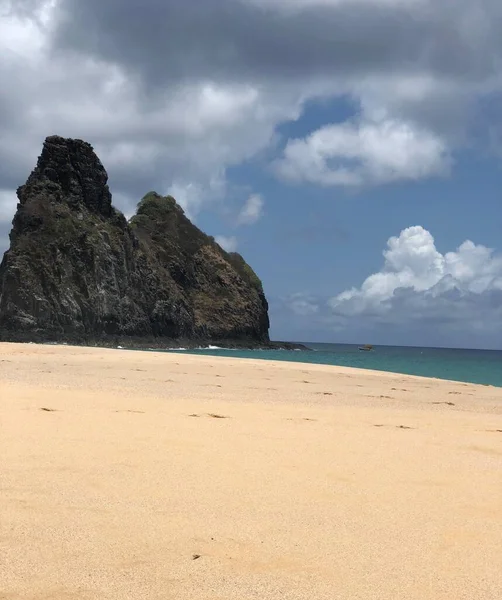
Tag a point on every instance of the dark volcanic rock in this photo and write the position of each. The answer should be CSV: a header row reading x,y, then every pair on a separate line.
x,y
77,271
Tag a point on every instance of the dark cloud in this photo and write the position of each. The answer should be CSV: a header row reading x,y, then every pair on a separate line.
x,y
163,41
169,40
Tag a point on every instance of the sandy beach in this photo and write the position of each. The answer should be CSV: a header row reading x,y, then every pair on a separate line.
x,y
145,475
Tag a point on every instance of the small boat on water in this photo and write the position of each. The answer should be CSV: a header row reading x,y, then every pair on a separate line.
x,y
366,347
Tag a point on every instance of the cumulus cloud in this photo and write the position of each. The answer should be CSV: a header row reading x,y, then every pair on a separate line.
x,y
361,153
192,196
252,211
302,304
249,214
419,284
172,96
228,243
419,296
177,138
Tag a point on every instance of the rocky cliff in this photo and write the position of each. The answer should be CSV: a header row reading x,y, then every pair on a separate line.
x,y
78,271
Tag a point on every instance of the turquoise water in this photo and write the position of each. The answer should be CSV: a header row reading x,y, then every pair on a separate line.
x,y
472,366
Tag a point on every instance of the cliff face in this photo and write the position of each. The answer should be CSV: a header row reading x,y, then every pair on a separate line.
x,y
77,271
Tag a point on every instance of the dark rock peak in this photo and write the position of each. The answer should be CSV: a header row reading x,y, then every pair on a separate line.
x,y
72,173
77,271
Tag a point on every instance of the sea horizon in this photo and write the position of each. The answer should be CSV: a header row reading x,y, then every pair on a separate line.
x,y
375,345
468,365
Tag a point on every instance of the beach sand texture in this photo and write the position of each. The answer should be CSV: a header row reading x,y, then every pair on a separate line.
x,y
148,476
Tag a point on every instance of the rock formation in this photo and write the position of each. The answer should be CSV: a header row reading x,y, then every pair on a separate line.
x,y
78,271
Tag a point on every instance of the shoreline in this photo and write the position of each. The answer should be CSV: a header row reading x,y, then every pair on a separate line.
x,y
149,343
188,350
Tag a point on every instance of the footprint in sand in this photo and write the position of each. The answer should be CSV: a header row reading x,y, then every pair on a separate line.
x,y
49,409
216,416
397,426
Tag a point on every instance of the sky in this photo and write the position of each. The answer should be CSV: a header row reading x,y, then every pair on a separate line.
x,y
351,150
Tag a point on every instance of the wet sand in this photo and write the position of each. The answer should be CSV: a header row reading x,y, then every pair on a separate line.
x,y
156,476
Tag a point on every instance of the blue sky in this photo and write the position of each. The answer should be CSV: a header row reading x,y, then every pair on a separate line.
x,y
324,241
351,151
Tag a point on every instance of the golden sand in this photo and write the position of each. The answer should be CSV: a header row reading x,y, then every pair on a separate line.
x,y
137,475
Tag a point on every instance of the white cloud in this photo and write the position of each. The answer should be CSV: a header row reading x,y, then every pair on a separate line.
x,y
418,282
8,203
23,37
252,211
249,214
364,152
180,140
192,196
227,243
302,304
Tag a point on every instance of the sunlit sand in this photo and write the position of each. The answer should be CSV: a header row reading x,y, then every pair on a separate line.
x,y
154,476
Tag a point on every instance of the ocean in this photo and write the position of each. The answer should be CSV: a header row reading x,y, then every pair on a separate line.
x,y
471,366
